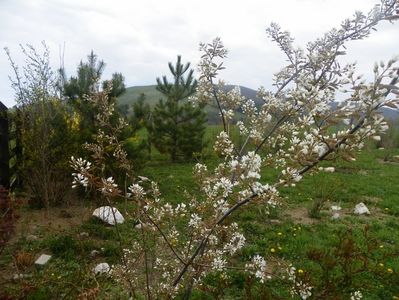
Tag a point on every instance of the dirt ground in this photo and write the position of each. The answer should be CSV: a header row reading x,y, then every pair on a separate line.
x,y
57,219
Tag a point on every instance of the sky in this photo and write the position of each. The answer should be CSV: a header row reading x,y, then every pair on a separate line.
x,y
139,38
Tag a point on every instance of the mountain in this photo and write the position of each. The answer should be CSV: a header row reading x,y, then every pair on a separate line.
x,y
152,97
132,94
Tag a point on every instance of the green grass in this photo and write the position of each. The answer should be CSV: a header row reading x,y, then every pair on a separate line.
x,y
282,238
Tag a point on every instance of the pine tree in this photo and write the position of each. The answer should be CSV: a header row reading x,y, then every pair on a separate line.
x,y
179,127
87,82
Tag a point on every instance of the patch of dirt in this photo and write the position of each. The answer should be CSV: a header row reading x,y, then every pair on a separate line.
x,y
300,215
388,162
34,222
370,199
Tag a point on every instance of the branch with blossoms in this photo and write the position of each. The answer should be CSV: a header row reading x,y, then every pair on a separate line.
x,y
297,126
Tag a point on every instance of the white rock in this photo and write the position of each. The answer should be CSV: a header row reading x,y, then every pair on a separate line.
x,y
105,214
335,208
361,209
101,268
21,276
42,260
94,253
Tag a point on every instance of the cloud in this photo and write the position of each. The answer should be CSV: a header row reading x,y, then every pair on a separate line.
x,y
138,38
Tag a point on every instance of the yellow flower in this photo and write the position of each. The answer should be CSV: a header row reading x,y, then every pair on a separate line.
x,y
279,248
381,246
294,234
280,233
300,271
389,270
272,250
381,265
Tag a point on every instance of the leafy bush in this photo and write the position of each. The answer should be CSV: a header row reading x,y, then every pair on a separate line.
x,y
63,246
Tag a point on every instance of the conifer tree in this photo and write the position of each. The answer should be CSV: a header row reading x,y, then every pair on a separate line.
x,y
178,125
87,82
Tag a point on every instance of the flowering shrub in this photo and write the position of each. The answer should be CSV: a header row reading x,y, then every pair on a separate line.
x,y
292,131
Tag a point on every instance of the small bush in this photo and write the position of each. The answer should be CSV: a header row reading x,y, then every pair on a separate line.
x,y
63,246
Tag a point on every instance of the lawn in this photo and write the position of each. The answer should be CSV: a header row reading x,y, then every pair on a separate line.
x,y
349,253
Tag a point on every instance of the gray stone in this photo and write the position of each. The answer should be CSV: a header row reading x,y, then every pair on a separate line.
x,y
31,238
106,214
102,268
361,209
84,234
42,260
94,253
21,276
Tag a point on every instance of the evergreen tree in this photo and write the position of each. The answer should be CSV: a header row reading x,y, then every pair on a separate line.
x,y
86,82
179,127
142,117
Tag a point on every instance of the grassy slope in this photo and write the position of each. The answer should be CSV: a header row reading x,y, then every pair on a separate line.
x,y
133,93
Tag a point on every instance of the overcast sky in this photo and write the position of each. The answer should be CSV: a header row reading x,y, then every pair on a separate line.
x,y
138,38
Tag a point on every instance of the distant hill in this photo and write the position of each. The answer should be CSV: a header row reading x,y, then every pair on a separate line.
x,y
132,94
152,97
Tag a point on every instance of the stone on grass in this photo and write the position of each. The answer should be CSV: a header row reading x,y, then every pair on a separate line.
x,y
31,238
94,253
335,208
361,209
101,268
84,234
21,276
106,214
42,260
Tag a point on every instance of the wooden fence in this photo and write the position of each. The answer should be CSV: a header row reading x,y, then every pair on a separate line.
x,y
10,148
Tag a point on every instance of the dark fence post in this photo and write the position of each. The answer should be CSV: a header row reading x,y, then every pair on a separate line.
x,y
4,148
18,148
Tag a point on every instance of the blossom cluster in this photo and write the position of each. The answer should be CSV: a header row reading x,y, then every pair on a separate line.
x,y
300,288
